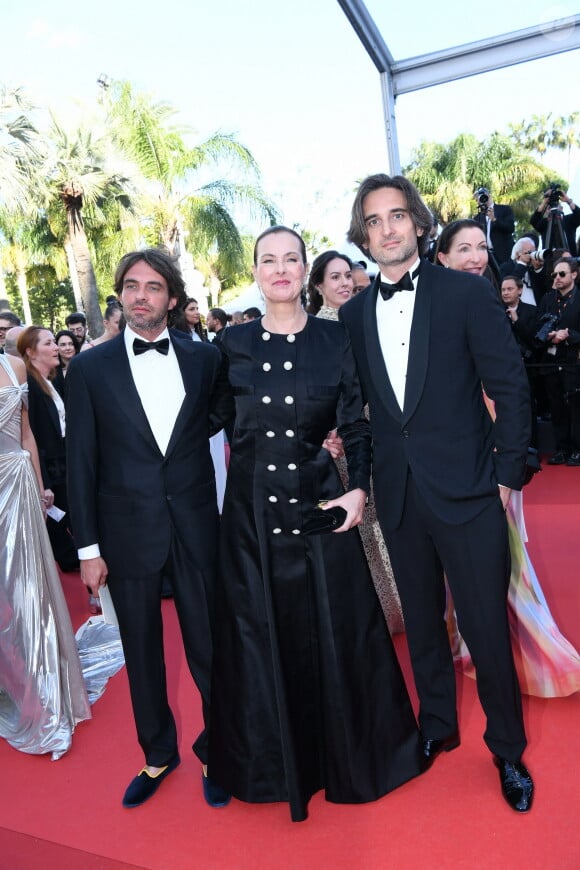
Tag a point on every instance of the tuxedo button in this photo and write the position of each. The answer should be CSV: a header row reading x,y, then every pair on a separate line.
x,y
169,497
405,433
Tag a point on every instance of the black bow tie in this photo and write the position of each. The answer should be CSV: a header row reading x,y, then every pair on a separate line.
x,y
405,283
140,346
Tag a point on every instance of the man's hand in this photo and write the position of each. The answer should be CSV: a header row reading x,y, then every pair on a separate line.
x,y
94,574
558,336
505,495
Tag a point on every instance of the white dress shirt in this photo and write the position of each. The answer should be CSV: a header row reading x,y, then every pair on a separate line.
x,y
159,384
394,319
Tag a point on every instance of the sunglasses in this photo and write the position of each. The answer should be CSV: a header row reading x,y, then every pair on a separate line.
x,y
559,274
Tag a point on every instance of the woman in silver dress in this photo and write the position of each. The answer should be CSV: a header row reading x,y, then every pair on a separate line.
x,y
330,286
42,693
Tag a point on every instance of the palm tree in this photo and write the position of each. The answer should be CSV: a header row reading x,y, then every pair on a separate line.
x,y
185,202
566,134
20,158
448,174
90,189
20,149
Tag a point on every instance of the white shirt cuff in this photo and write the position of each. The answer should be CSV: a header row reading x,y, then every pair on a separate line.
x,y
91,552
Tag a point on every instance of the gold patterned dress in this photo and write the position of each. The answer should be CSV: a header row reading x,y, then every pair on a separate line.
x,y
373,541
42,693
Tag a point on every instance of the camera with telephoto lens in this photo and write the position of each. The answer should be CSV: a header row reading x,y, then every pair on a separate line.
x,y
549,323
482,196
555,192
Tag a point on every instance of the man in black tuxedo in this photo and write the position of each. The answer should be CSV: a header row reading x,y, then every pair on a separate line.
x,y
443,472
523,319
561,353
143,497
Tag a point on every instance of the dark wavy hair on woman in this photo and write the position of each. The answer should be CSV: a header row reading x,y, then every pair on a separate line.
x,y
317,272
445,240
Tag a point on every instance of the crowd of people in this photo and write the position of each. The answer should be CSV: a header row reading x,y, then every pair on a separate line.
x,y
291,571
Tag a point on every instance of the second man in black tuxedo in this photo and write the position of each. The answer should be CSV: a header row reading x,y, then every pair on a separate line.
x,y
443,471
143,497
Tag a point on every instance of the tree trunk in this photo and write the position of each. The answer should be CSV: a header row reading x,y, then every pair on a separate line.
x,y
74,278
86,275
22,284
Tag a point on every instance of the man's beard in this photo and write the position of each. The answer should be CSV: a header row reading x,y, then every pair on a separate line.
x,y
141,322
394,257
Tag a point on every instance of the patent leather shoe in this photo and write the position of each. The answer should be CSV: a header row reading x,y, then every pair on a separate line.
x,y
215,796
559,458
145,784
573,459
432,748
517,785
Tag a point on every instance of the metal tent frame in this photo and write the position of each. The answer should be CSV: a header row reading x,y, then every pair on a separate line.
x,y
450,64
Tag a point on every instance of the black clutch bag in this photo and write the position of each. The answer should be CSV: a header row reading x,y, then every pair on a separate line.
x,y
319,522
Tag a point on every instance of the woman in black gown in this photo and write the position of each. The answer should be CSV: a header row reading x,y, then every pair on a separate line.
x,y
306,689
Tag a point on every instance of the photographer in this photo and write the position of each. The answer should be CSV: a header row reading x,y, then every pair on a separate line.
x,y
526,265
551,204
523,317
558,335
498,223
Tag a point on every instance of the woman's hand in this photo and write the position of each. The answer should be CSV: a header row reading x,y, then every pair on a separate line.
x,y
353,503
333,443
47,498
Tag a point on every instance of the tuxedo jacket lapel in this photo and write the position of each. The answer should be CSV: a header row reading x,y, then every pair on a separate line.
x,y
117,373
419,339
185,351
377,367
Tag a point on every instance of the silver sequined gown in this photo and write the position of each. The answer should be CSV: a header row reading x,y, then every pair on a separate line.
x,y
373,541
42,693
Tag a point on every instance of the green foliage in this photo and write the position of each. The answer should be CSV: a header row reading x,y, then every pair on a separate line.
x,y
447,175
50,299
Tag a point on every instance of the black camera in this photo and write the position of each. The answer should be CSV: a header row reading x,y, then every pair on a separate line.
x,y
549,322
555,192
482,196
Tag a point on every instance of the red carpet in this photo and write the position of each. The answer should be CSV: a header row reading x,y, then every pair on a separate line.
x,y
68,814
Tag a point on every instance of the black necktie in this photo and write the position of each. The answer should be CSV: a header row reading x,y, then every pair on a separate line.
x,y
140,346
405,283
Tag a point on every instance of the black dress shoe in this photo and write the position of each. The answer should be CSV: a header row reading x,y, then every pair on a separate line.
x,y
432,748
214,794
145,785
573,459
558,458
516,784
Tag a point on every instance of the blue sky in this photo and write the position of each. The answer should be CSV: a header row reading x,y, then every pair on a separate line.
x,y
290,79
